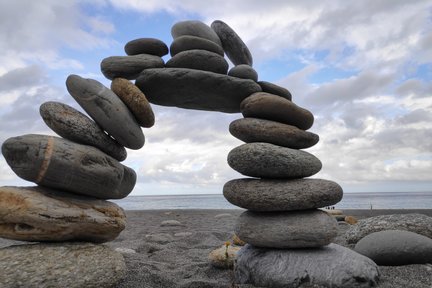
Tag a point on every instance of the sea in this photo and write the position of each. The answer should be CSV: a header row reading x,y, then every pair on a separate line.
x,y
360,200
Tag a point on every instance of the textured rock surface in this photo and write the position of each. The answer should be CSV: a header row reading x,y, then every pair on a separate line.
x,y
106,108
223,257
260,130
194,28
59,163
150,46
72,265
275,89
329,266
244,71
194,89
187,42
200,60
282,195
266,160
129,67
42,214
293,229
73,125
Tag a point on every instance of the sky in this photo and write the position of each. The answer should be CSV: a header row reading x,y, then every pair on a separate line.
x,y
363,68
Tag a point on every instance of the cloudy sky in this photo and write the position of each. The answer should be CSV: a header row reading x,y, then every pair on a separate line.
x,y
364,68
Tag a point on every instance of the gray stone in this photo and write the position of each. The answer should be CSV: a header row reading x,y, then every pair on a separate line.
x,y
272,107
72,265
194,28
275,89
194,89
260,130
244,71
266,160
417,223
150,46
106,108
233,45
396,247
59,163
161,238
330,266
199,60
282,195
42,214
73,125
188,42
171,223
293,229
129,67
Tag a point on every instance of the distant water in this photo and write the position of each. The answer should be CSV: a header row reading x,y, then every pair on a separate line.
x,y
397,200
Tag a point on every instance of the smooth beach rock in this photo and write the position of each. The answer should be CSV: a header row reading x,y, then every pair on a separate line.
x,y
223,257
72,265
199,60
171,223
106,108
150,46
73,125
194,89
282,195
329,266
396,247
243,71
271,107
266,160
417,223
293,229
187,42
275,89
135,100
233,45
42,214
195,28
129,67
251,130
59,163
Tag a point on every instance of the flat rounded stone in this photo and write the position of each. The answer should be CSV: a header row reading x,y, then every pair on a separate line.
x,y
286,230
187,42
106,108
195,89
195,28
135,100
282,195
264,160
243,71
73,125
150,46
260,130
199,60
275,89
233,45
59,163
42,214
129,67
272,107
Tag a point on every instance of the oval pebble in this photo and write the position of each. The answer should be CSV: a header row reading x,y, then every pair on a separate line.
x,y
199,60
275,89
150,46
129,67
195,28
244,71
187,42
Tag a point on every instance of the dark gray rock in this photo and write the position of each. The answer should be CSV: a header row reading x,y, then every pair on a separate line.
x,y
233,45
129,67
59,163
73,125
272,107
396,247
194,89
260,130
266,160
106,108
282,195
150,46
293,229
244,71
199,60
275,89
187,42
330,266
194,28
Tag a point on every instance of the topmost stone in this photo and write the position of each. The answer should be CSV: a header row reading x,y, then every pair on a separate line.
x,y
195,28
150,46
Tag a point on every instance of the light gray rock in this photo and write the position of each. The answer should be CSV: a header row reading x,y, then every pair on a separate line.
x,y
73,125
106,108
330,266
72,265
187,42
293,229
42,214
194,89
150,46
171,223
275,89
59,163
266,160
244,71
199,60
282,195
161,238
194,28
396,247
129,67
